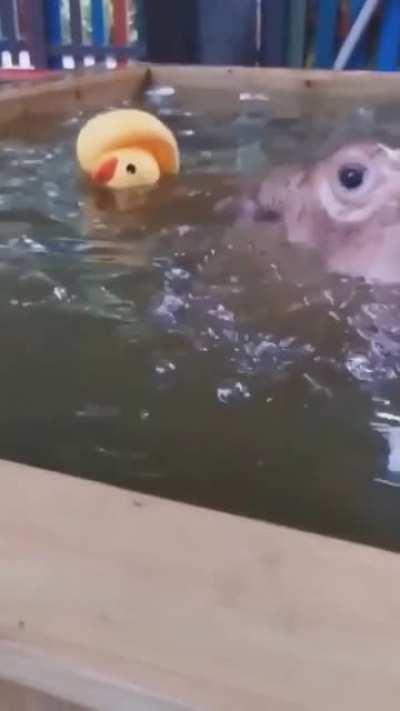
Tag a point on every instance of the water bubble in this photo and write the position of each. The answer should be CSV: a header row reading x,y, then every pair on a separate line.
x,y
205,157
52,190
165,371
316,387
245,96
178,273
164,366
158,97
389,428
170,307
60,293
16,182
31,161
262,348
222,313
360,367
95,411
183,230
71,121
230,392
28,243
36,287
160,91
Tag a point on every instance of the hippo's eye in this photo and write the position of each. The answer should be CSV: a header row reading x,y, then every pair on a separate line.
x,y
351,176
131,169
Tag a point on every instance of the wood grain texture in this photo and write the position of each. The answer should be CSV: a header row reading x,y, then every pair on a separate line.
x,y
318,82
34,681
297,88
64,95
217,611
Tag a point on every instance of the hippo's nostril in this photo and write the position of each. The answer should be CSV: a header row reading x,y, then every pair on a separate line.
x,y
267,215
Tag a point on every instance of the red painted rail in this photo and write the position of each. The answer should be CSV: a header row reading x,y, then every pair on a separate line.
x,y
12,75
121,24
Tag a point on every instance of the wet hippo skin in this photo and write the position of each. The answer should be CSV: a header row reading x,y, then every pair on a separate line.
x,y
347,206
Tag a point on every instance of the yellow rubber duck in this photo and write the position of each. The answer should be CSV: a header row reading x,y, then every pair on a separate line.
x,y
127,148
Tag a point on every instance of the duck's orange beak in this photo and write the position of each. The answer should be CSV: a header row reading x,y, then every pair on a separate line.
x,y
105,172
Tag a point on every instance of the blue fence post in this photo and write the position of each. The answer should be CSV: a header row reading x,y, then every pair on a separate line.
x,y
193,31
76,30
98,21
140,28
325,43
170,30
53,29
388,50
34,21
297,31
10,26
227,32
273,32
359,58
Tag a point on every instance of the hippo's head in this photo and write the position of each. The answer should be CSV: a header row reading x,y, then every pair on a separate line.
x,y
347,206
357,183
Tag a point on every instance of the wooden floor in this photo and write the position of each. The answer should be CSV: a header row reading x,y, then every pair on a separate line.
x,y
216,611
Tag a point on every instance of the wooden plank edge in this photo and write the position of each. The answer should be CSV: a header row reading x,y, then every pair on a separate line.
x,y
85,88
309,81
212,609
30,678
71,93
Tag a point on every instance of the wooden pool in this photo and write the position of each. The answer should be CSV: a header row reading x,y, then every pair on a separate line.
x,y
208,609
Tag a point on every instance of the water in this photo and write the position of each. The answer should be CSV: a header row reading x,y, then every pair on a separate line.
x,y
160,349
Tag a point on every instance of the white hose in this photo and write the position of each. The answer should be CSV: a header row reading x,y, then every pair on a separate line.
x,y
355,34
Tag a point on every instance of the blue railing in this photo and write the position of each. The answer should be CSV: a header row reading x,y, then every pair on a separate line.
x,y
57,33
52,33
379,46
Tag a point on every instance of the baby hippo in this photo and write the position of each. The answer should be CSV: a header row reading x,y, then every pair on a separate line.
x,y
347,206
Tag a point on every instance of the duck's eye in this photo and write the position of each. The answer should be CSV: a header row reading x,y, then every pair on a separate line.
x,y
131,169
352,177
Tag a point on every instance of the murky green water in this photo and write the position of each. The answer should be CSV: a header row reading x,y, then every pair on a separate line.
x,y
162,350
